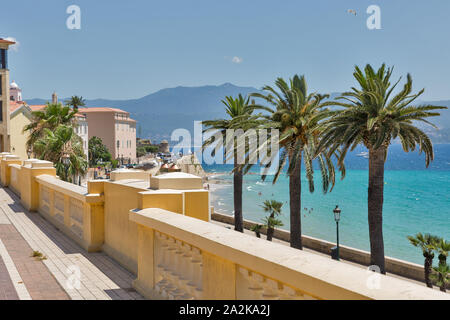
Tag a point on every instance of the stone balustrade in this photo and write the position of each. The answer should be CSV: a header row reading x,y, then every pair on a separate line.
x,y
180,257
160,230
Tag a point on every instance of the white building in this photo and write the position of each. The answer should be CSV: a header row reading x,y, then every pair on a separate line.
x,y
82,131
15,93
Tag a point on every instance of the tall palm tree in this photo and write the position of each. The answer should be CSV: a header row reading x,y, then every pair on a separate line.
x,y
75,102
297,115
427,243
240,117
372,118
58,144
50,118
272,207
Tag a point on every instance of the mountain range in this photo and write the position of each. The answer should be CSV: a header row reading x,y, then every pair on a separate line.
x,y
159,113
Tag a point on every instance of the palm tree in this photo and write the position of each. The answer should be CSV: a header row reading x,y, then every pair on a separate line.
x,y
441,276
273,207
256,228
443,248
298,116
75,102
427,243
58,144
50,118
374,120
240,113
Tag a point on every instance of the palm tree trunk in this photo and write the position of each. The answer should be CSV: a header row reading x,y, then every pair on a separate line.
x,y
270,229
375,206
237,197
295,188
427,270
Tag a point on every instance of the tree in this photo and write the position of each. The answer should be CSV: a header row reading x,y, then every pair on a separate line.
x,y
441,276
50,118
256,228
57,144
443,248
427,243
371,118
98,151
239,111
75,102
298,116
273,207
140,152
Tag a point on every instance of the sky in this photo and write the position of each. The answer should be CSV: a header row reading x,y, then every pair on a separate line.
x,y
128,49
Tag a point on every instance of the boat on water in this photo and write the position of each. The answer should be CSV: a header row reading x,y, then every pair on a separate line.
x,y
363,154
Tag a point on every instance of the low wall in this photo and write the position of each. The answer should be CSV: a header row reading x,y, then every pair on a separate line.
x,y
164,236
180,258
395,266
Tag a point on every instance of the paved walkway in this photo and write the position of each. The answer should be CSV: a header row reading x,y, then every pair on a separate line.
x,y
60,269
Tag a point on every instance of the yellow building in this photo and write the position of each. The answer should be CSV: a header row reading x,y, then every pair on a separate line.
x,y
20,116
4,96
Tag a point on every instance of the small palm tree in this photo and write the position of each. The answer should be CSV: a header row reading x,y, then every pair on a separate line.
x,y
441,276
240,117
50,118
427,243
256,228
76,102
297,115
60,143
443,248
272,207
372,118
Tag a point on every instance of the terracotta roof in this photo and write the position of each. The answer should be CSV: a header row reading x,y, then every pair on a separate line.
x,y
37,107
103,109
13,105
6,41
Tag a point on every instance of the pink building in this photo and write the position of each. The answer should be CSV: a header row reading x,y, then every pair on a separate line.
x,y
116,129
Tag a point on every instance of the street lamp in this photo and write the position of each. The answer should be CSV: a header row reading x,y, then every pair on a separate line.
x,y
66,161
337,217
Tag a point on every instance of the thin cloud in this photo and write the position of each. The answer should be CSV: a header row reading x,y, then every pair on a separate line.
x,y
14,47
234,59
237,59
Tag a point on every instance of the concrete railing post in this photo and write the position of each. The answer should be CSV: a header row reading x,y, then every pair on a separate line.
x,y
5,170
30,187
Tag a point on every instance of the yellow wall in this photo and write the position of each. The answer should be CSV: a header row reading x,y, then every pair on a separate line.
x,y
19,139
121,233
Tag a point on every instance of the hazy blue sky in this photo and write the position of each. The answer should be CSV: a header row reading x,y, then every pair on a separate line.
x,y
127,49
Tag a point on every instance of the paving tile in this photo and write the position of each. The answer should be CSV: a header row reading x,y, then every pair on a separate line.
x,y
100,276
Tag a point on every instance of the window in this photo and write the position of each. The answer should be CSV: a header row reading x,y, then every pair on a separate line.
x,y
0,84
118,144
3,59
1,110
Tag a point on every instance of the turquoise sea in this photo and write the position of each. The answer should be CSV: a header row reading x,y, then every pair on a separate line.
x,y
416,199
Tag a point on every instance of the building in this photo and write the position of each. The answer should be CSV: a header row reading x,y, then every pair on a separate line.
x,y
5,143
116,129
20,116
82,131
15,93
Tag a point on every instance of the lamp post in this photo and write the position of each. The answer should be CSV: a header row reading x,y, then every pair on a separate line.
x,y
337,217
66,161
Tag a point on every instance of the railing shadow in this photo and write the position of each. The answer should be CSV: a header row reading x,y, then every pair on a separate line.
x,y
105,264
